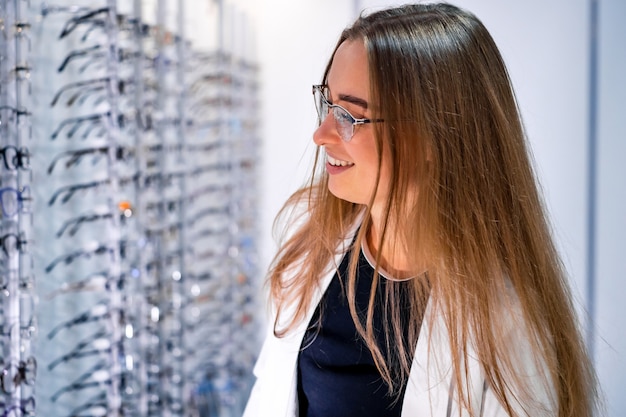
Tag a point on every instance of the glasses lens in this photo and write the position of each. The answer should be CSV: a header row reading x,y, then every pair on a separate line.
x,y
9,201
344,123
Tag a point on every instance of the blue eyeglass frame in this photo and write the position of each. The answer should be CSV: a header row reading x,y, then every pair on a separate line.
x,y
22,194
342,117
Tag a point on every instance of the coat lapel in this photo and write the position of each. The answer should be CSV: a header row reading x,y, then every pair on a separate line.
x,y
428,388
283,352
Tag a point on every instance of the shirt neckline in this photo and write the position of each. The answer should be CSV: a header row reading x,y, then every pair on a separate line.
x,y
381,271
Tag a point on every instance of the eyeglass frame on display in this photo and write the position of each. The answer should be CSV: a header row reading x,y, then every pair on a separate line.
x,y
20,376
20,160
19,199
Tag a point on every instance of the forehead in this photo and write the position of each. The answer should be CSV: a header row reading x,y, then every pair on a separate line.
x,y
348,74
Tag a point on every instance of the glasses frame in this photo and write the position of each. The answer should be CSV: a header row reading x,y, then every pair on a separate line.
x,y
15,372
22,194
15,158
340,114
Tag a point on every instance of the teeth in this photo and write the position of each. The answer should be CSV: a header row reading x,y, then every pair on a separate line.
x,y
337,162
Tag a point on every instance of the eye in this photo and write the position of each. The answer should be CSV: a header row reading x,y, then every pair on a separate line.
x,y
342,116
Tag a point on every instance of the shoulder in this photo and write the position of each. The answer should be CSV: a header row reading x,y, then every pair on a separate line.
x,y
521,364
521,360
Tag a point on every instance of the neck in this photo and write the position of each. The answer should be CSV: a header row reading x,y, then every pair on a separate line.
x,y
392,257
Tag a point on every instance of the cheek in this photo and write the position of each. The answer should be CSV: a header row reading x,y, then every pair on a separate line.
x,y
367,162
368,172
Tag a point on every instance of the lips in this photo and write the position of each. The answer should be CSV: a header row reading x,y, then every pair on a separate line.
x,y
337,166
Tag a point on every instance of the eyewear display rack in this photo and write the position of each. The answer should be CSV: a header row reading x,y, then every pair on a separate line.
x,y
17,293
129,196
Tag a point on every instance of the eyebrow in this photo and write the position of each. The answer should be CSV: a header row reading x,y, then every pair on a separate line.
x,y
354,100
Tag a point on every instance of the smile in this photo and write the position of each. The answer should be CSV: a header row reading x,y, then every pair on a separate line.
x,y
337,162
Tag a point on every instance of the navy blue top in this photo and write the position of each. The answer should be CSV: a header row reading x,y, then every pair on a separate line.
x,y
336,371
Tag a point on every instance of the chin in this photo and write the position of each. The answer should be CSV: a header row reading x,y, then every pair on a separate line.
x,y
346,195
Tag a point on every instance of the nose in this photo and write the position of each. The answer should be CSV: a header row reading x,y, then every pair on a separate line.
x,y
326,132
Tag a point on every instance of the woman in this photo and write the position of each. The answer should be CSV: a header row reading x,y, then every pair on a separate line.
x,y
419,277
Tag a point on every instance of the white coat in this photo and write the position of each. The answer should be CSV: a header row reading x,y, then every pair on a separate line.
x,y
430,388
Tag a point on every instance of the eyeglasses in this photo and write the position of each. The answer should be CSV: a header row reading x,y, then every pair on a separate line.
x,y
344,121
96,344
72,225
15,372
81,253
12,199
11,243
96,313
75,156
99,373
15,158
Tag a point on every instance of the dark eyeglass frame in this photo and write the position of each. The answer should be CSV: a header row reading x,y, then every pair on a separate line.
x,y
9,247
14,373
81,253
89,17
344,121
96,313
95,373
86,348
15,158
72,225
121,153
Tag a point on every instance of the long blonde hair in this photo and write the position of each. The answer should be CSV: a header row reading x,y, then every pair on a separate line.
x,y
453,129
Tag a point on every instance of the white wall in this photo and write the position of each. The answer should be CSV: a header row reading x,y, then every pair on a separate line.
x,y
611,207
546,47
295,39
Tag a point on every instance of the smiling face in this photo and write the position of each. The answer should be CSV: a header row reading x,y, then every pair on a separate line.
x,y
352,166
